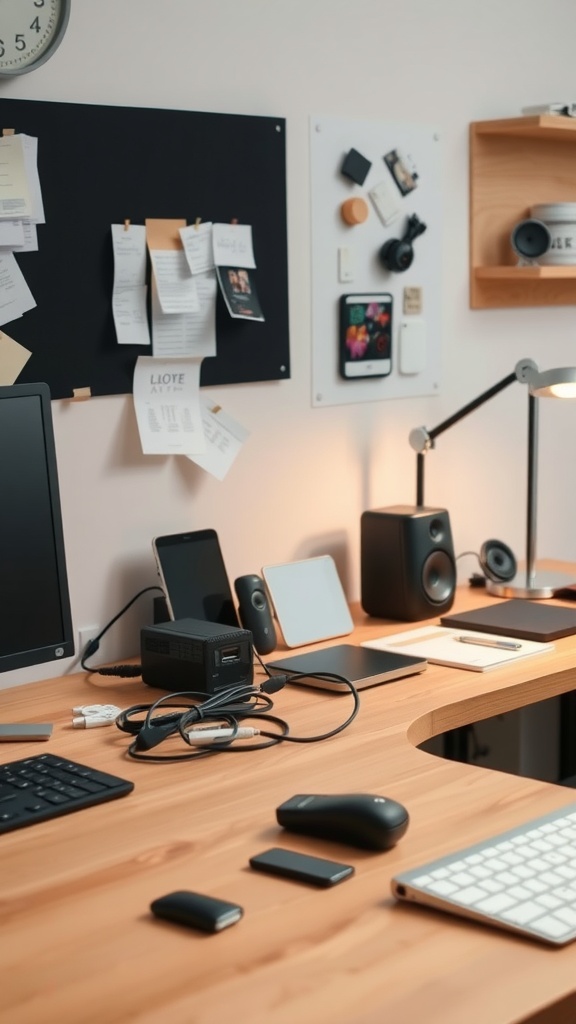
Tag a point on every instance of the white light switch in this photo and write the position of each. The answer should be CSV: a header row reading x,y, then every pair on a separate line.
x,y
345,264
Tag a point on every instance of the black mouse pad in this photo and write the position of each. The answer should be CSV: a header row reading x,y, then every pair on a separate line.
x,y
361,665
527,620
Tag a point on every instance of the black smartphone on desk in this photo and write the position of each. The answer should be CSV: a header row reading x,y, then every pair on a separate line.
x,y
191,568
301,867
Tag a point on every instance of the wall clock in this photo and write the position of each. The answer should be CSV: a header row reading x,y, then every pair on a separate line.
x,y
30,32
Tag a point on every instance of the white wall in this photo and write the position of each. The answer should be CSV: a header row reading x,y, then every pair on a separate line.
x,y
306,474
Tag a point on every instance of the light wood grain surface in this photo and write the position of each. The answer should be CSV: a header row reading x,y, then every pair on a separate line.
x,y
80,945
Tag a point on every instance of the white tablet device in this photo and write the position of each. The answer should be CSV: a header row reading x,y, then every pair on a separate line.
x,y
308,599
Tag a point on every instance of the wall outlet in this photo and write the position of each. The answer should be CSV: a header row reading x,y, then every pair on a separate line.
x,y
85,635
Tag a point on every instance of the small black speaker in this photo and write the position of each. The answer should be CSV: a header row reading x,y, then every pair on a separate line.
x,y
407,564
497,561
530,239
255,612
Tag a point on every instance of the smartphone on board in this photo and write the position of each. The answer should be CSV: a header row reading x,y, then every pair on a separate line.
x,y
365,335
191,568
301,867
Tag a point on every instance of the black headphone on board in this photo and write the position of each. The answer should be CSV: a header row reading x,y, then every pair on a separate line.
x,y
397,253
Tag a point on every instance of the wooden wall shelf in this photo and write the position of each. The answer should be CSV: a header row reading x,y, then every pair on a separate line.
x,y
515,164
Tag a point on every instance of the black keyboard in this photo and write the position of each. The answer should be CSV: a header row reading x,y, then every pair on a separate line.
x,y
44,786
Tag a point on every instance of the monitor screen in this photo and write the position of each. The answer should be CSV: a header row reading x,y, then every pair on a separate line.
x,y
35,617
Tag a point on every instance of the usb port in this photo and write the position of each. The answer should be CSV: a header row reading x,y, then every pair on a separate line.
x,y
228,654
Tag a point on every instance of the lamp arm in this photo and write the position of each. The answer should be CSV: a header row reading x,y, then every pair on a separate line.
x,y
422,439
484,397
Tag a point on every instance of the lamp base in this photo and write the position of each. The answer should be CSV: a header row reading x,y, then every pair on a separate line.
x,y
533,586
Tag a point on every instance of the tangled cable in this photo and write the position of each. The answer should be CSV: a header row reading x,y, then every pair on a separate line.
x,y
212,724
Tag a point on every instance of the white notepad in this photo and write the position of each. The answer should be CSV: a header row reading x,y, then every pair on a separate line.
x,y
441,646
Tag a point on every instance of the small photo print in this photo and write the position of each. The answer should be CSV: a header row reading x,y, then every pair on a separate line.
x,y
402,170
238,286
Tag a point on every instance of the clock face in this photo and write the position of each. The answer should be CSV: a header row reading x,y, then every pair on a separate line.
x,y
30,31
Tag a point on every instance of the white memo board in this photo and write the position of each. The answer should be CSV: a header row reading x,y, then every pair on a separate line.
x,y
330,140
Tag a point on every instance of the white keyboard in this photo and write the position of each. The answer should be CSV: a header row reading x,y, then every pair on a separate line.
x,y
523,880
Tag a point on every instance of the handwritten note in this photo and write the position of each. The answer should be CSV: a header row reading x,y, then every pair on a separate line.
x,y
232,245
197,242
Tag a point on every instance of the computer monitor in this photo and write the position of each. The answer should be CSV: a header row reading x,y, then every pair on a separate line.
x,y
35,617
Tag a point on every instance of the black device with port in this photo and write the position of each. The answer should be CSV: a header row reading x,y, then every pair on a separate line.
x,y
193,655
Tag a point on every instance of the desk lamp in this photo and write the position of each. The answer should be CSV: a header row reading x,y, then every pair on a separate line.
x,y
558,383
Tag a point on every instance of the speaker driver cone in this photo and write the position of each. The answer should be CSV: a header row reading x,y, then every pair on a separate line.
x,y
438,577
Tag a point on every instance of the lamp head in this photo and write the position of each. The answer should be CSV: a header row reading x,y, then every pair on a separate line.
x,y
557,383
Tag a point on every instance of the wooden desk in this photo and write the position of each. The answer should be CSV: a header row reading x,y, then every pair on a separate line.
x,y
78,941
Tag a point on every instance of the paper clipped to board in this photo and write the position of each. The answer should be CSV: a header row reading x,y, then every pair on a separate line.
x,y
457,648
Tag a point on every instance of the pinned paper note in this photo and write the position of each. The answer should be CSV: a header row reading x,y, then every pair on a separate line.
x,y
187,334
232,245
235,267
129,247
13,358
197,242
15,295
176,285
167,405
129,290
15,192
224,439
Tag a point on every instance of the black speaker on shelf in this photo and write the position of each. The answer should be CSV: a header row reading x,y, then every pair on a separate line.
x,y
407,564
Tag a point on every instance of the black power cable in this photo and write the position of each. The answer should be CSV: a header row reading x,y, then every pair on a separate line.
x,y
127,671
231,706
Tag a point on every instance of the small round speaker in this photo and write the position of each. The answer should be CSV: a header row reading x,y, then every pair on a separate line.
x,y
255,612
497,561
530,239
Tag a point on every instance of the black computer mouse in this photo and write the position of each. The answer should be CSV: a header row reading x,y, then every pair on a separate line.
x,y
360,819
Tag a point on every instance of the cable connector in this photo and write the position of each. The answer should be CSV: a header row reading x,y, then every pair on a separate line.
x,y
106,710
214,735
274,683
91,716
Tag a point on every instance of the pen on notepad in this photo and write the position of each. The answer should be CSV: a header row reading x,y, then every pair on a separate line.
x,y
501,645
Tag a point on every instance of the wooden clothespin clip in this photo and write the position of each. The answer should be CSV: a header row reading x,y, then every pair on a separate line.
x,y
8,131
81,394
126,224
234,220
197,222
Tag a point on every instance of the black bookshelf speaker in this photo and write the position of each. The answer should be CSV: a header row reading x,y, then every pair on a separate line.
x,y
407,564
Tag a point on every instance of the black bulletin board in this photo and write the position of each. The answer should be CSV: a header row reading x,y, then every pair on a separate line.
x,y
102,165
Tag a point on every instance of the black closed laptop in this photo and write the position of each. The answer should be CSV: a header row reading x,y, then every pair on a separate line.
x,y
526,620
